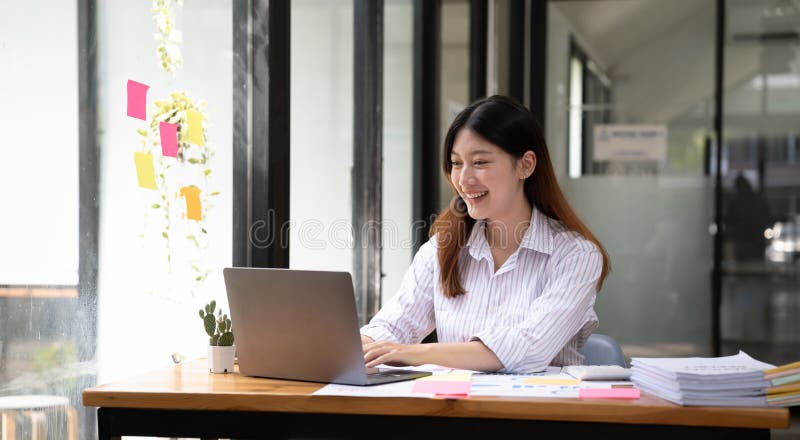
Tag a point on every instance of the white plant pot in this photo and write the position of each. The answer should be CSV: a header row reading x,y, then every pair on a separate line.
x,y
220,358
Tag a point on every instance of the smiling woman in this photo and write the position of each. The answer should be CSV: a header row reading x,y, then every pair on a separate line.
x,y
509,276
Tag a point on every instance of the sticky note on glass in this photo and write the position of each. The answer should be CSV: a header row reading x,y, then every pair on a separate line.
x,y
195,121
609,393
441,387
169,138
551,381
192,196
137,100
144,170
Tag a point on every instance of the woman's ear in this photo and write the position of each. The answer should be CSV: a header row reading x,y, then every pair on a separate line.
x,y
526,165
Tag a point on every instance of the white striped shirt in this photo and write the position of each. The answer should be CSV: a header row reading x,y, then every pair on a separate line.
x,y
536,310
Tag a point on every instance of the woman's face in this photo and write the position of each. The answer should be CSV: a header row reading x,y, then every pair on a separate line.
x,y
488,179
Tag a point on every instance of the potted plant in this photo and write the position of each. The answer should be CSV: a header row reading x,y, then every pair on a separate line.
x,y
220,344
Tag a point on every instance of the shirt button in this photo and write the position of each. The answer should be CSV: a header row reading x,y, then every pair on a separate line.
x,y
492,309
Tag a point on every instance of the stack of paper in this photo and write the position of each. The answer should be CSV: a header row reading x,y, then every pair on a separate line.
x,y
785,385
724,381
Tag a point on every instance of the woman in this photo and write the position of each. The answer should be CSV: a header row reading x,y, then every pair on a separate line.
x,y
509,284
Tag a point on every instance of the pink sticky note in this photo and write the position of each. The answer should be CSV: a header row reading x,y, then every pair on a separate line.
x,y
137,100
169,138
609,393
441,387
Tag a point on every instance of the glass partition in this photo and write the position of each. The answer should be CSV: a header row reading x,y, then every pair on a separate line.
x,y
761,180
321,135
629,117
454,78
162,102
42,345
398,91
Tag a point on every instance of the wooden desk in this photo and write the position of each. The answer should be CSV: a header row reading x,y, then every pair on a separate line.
x,y
187,401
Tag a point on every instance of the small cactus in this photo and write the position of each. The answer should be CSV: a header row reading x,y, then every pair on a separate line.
x,y
219,329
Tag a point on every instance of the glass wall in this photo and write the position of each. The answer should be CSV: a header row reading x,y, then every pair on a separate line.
x,y
321,135
162,246
761,180
398,93
629,117
162,203
454,79
42,345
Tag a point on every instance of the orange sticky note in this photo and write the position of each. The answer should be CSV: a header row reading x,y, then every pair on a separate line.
x,y
192,195
137,100
169,138
195,122
609,393
144,170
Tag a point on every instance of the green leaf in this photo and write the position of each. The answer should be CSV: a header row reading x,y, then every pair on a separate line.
x,y
215,193
204,230
207,172
156,206
164,234
193,161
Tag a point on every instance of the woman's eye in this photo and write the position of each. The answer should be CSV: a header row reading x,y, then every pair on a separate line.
x,y
480,162
455,164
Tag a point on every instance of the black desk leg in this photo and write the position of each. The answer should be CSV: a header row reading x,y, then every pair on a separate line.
x,y
105,425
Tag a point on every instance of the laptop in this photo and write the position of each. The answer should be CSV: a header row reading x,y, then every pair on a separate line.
x,y
300,325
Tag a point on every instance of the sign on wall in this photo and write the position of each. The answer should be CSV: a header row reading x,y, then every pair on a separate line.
x,y
630,142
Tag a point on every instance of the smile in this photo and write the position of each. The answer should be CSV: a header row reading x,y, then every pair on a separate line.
x,y
475,195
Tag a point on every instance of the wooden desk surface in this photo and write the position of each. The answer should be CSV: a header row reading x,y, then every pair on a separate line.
x,y
191,387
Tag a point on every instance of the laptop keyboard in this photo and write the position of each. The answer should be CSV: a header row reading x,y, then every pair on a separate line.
x,y
392,373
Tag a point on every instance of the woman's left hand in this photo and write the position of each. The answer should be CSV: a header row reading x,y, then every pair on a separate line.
x,y
394,354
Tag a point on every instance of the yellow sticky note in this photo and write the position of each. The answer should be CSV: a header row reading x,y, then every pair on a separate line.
x,y
144,170
456,376
193,207
551,381
195,121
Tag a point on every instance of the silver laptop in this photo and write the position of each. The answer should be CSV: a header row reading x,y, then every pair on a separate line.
x,y
300,325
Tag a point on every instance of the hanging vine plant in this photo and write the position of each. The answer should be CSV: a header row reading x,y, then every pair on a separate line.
x,y
188,174
168,36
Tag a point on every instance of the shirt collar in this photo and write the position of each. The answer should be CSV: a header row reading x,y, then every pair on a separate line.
x,y
538,236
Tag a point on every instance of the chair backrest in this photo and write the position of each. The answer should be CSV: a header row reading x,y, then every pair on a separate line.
x,y
602,350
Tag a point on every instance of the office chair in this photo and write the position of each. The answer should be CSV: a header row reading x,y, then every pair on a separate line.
x,y
602,350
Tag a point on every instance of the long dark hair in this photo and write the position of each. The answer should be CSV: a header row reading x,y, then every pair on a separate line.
x,y
512,127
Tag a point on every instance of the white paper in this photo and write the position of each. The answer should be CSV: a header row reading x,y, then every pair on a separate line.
x,y
395,389
736,366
